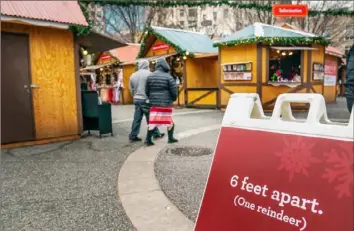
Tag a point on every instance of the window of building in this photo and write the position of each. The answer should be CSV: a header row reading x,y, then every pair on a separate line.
x,y
326,34
192,24
181,23
172,12
181,12
192,12
349,32
215,16
191,28
226,13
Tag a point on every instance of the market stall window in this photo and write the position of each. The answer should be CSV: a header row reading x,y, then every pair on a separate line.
x,y
176,63
284,66
177,69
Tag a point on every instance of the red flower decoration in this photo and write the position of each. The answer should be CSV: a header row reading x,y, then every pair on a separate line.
x,y
341,171
296,157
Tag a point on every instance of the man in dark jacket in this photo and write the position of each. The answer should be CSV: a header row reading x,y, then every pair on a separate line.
x,y
349,88
161,89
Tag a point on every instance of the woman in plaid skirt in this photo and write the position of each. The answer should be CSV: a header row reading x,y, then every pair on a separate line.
x,y
161,90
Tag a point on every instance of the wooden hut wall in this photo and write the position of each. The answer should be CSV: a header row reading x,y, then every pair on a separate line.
x,y
317,56
128,70
151,52
52,67
237,54
180,99
202,81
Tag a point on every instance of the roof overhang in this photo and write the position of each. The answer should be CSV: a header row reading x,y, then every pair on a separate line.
x,y
334,54
95,67
152,58
294,48
205,55
34,22
97,42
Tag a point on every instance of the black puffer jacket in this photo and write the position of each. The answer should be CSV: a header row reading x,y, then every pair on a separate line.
x,y
161,87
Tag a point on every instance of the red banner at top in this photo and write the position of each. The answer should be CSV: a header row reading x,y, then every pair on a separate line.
x,y
289,10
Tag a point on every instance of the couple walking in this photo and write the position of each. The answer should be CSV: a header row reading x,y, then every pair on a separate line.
x,y
154,94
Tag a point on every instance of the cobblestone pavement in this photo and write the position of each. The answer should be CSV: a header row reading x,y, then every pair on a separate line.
x,y
73,185
183,177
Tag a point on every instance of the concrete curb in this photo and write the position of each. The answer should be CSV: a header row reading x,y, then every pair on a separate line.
x,y
142,198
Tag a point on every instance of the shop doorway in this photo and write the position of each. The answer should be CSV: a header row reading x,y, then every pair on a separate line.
x,y
17,122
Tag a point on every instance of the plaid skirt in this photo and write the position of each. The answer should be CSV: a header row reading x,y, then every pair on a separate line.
x,y
160,117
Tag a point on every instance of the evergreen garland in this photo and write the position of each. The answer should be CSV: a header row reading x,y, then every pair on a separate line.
x,y
277,41
149,31
83,30
196,3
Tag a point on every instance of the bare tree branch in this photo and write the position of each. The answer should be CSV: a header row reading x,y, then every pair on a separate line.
x,y
127,22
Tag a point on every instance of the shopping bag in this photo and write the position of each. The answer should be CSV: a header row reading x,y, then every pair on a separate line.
x,y
279,173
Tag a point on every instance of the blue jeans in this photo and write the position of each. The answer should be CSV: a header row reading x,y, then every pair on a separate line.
x,y
141,109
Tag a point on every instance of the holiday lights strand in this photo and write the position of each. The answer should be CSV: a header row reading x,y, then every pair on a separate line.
x,y
148,32
85,30
276,40
176,3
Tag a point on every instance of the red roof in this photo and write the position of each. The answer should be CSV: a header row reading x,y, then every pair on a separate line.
x,y
334,51
67,12
127,53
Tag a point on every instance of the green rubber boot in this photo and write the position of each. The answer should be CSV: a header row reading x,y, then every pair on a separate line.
x,y
148,140
171,139
157,135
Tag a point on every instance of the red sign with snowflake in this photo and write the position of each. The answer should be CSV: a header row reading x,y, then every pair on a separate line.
x,y
270,181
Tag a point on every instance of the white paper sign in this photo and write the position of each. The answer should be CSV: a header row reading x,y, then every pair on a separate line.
x,y
329,80
237,76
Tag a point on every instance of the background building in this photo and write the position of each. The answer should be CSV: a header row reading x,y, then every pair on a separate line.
x,y
97,14
223,20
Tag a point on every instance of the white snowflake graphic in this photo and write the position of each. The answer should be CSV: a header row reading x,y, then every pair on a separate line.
x,y
342,169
